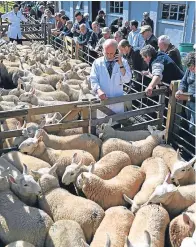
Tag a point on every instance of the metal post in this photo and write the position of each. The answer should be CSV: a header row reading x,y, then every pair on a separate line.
x,y
45,34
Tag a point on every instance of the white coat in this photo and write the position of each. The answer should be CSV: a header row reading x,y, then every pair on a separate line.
x,y
14,29
112,87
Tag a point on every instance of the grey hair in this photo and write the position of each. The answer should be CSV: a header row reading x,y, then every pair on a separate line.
x,y
95,22
148,51
124,43
83,25
110,42
119,33
164,39
189,60
69,22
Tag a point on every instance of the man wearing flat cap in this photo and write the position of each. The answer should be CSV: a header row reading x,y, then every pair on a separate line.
x,y
147,21
149,37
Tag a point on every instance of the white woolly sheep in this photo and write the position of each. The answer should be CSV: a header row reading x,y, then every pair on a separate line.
x,y
117,223
17,91
36,147
42,87
156,171
59,204
65,233
109,193
174,199
45,170
106,168
49,79
138,151
21,222
149,226
72,93
182,226
106,132
20,244
86,142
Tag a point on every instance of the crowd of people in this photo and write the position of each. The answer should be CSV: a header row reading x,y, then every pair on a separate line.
x,y
118,49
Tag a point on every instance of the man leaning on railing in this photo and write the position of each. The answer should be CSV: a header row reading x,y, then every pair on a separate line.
x,y
186,90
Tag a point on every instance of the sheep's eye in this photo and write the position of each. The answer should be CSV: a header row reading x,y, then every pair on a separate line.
x,y
188,169
25,185
71,173
183,170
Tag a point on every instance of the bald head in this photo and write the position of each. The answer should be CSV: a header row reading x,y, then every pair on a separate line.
x,y
109,49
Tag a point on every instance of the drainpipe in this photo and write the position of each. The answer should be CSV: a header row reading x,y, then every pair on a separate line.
x,y
185,21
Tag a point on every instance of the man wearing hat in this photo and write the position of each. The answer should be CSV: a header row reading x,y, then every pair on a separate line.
x,y
106,35
149,37
147,21
100,18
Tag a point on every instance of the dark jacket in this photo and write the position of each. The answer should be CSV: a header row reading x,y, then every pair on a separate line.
x,y
148,22
115,25
84,38
67,32
101,21
174,53
135,60
187,84
153,41
125,31
76,26
170,70
94,38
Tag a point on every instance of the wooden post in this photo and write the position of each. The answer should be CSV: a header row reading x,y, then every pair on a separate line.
x,y
45,34
76,51
171,111
161,112
1,141
93,116
84,117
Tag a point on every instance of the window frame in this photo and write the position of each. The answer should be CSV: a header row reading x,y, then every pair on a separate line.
x,y
173,12
119,8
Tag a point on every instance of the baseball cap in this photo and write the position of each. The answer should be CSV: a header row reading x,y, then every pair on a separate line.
x,y
105,30
145,28
145,14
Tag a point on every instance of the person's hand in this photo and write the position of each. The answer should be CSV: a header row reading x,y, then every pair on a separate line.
x,y
101,94
143,72
180,96
149,90
118,59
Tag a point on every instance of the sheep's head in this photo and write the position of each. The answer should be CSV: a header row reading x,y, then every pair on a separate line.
x,y
158,134
28,96
146,241
189,241
163,192
104,129
45,170
25,183
181,168
52,118
30,145
72,171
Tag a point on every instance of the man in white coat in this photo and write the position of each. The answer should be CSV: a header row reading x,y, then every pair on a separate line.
x,y
108,74
14,17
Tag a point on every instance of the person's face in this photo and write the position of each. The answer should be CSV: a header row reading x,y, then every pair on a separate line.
x,y
162,46
106,35
63,21
145,35
48,13
126,23
145,17
95,28
146,59
123,50
133,28
78,18
109,52
192,69
69,26
57,18
16,9
83,30
117,37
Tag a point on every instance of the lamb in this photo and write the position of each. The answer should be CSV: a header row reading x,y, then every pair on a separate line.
x,y
41,87
182,226
109,193
156,171
45,170
9,98
17,91
106,168
49,79
73,94
117,223
65,66
149,226
36,147
174,199
59,204
137,151
81,66
21,222
86,142
17,159
182,172
49,70
20,244
65,233
72,74
106,132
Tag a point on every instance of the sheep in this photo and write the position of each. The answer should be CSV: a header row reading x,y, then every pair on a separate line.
x,y
17,91
137,151
11,98
106,132
182,172
109,193
49,70
63,86
41,87
174,199
149,226
49,79
86,142
117,223
156,171
72,74
21,222
17,159
64,233
36,147
72,82
81,66
20,244
106,168
182,226
59,204
45,170
65,66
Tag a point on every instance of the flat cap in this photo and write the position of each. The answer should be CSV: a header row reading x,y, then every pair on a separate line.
x,y
145,28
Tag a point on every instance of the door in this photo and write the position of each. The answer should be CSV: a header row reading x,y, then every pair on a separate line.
x,y
95,9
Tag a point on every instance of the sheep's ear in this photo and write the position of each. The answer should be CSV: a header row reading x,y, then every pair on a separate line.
x,y
11,179
57,115
42,124
168,178
127,241
36,173
33,91
178,154
110,122
108,241
191,162
53,169
127,199
25,170
80,163
74,158
84,244
188,221
18,125
92,167
24,124
150,129
147,238
40,139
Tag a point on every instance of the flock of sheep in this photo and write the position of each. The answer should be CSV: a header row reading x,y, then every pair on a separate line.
x,y
74,189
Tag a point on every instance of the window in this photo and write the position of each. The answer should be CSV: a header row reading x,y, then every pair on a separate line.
x,y
173,11
116,7
80,5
